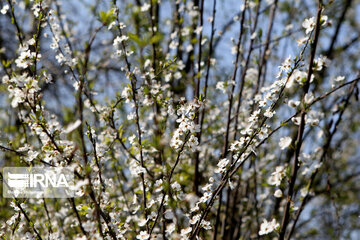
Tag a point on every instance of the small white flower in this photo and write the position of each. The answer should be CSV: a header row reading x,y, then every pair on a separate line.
x,y
4,9
324,20
221,86
177,75
309,24
339,78
143,235
119,40
289,27
142,222
158,185
111,25
268,227
170,229
234,50
231,185
145,7
263,133
309,97
277,176
122,25
222,165
31,155
285,142
126,93
198,30
293,103
278,193
296,120
205,225
31,41
176,186
311,121
262,103
302,41
320,62
176,143
303,192
192,143
253,36
72,126
195,219
185,231
237,144
131,116
299,76
189,48
205,197
268,113
285,66
251,74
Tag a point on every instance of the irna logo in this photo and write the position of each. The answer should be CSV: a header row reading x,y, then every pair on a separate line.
x,y
38,182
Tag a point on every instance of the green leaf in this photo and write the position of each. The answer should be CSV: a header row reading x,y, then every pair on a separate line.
x,y
136,39
6,63
201,97
107,17
283,124
155,39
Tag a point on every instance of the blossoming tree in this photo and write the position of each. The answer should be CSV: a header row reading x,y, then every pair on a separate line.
x,y
183,119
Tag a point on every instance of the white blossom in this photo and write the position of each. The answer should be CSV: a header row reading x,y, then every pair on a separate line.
x,y
4,9
277,176
145,7
268,113
309,24
339,78
119,39
309,97
278,193
285,142
143,235
293,103
72,126
268,227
